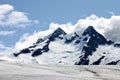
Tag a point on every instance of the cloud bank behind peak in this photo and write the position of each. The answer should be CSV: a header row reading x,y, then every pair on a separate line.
x,y
109,27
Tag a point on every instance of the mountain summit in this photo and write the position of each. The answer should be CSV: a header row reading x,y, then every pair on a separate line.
x,y
72,49
56,34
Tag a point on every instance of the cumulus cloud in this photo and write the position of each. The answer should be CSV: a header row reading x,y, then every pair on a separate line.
x,y
5,33
68,27
11,17
109,27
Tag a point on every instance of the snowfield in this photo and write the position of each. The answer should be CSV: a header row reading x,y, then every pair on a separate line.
x,y
17,71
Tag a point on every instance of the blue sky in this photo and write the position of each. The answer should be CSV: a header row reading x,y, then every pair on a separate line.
x,y
58,11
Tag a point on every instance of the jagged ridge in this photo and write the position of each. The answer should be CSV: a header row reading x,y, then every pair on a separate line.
x,y
90,41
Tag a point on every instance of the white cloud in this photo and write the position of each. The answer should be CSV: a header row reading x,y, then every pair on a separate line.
x,y
109,27
27,40
11,17
68,27
5,33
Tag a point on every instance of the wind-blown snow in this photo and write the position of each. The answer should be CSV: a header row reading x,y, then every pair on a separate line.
x,y
27,40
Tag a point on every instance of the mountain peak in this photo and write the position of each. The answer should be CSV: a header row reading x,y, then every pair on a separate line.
x,y
95,40
81,48
60,31
90,27
56,34
90,30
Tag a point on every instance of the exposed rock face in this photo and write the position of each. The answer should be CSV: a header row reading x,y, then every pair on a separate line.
x,y
87,44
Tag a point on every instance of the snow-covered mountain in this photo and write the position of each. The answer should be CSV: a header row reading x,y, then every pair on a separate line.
x,y
90,48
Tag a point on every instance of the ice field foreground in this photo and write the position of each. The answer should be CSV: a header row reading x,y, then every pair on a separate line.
x,y
14,71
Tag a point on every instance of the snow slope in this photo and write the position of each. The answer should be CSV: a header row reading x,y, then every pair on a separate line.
x,y
61,48
13,71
